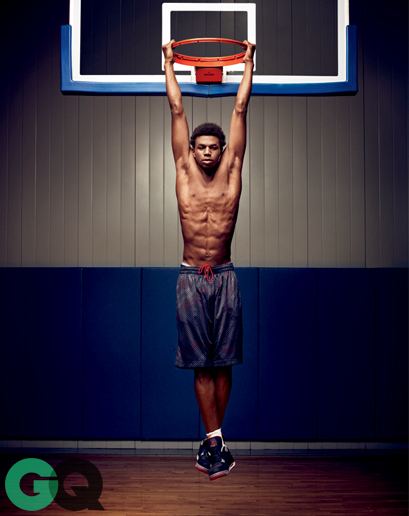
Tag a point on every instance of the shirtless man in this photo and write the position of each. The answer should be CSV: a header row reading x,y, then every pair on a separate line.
x,y
208,188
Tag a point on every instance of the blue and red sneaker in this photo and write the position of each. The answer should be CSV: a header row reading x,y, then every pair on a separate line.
x,y
228,456
221,460
203,458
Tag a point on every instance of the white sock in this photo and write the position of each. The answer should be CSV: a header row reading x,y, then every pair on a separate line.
x,y
216,433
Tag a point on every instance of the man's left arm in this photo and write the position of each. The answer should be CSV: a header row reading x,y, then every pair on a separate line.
x,y
238,125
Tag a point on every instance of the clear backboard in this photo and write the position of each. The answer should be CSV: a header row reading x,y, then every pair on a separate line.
x,y
303,47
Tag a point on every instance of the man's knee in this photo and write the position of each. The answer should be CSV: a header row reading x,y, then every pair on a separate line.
x,y
223,372
204,374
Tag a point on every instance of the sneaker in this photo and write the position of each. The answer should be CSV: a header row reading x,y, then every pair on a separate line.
x,y
203,458
228,456
219,466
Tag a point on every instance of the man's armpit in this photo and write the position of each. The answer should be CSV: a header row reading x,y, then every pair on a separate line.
x,y
182,167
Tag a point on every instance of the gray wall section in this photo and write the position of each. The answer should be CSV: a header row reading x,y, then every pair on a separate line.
x,y
90,180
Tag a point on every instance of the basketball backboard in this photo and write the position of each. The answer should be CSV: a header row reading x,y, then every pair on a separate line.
x,y
115,47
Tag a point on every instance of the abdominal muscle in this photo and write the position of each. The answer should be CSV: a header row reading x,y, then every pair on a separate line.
x,y
208,229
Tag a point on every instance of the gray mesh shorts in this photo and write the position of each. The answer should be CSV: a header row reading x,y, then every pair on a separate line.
x,y
208,316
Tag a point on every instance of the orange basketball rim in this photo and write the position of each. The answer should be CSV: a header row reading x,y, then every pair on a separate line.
x,y
209,61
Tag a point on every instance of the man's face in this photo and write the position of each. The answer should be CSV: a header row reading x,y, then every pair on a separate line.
x,y
207,152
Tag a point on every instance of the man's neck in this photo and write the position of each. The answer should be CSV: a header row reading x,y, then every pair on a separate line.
x,y
209,175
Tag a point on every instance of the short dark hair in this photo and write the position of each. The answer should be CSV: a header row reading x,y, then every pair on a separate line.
x,y
208,129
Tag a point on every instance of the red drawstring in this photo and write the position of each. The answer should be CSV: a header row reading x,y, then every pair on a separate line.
x,y
206,269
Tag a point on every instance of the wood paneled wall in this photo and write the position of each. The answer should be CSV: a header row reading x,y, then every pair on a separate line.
x,y
90,180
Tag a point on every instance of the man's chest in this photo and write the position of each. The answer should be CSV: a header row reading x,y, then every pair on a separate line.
x,y
197,199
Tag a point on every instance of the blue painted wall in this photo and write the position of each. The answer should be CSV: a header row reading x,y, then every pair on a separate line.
x,y
89,353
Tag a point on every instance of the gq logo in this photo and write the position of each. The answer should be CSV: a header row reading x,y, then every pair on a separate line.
x,y
52,486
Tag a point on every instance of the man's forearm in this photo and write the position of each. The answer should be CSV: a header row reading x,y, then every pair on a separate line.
x,y
244,91
172,88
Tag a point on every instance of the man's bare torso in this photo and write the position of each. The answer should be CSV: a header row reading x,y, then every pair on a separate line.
x,y
208,212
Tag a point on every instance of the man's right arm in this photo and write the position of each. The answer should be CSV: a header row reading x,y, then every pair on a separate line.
x,y
180,130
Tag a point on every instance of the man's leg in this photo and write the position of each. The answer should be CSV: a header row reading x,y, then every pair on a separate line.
x,y
212,388
223,382
205,390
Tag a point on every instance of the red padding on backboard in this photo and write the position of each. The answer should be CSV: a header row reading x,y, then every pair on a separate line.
x,y
209,75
